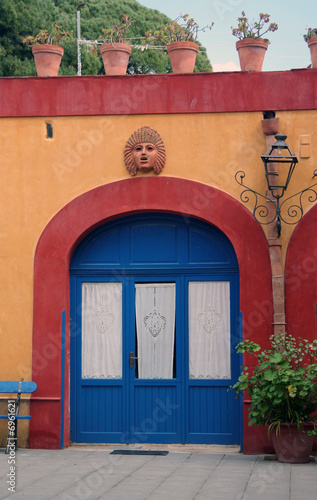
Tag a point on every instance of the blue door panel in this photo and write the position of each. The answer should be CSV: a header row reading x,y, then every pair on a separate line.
x,y
154,248
101,414
205,247
101,250
156,415
155,237
211,415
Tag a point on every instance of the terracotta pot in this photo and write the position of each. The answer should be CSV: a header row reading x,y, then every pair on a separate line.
x,y
47,59
251,53
115,57
312,44
293,445
182,56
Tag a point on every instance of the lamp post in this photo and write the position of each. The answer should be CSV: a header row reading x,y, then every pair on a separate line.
x,y
279,153
78,40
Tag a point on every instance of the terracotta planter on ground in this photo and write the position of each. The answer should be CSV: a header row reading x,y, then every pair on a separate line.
x,y
115,58
293,445
182,56
47,59
251,53
312,44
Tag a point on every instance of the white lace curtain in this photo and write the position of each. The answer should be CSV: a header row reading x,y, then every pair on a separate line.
x,y
102,330
209,329
155,323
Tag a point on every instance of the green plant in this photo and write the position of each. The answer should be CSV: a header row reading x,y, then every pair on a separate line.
x,y
57,36
310,32
283,384
117,33
256,29
187,30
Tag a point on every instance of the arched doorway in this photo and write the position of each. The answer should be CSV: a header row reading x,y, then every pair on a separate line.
x,y
50,408
154,314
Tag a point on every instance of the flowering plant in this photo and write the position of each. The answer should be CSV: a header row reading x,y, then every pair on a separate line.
x,y
117,33
57,35
283,384
310,32
186,30
256,29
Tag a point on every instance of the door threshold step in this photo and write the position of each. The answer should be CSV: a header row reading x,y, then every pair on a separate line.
x,y
216,449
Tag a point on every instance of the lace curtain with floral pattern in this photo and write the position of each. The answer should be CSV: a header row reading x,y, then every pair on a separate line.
x,y
102,330
209,329
155,324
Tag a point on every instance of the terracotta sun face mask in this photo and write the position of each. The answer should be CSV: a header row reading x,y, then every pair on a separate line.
x,y
145,156
144,151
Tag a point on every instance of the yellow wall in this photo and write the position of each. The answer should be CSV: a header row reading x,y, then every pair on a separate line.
x,y
39,176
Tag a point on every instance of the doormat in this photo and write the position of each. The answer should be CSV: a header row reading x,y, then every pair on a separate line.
x,y
138,452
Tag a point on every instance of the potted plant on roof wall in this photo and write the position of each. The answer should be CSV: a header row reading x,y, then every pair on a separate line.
x,y
115,51
311,38
283,391
46,49
179,37
251,46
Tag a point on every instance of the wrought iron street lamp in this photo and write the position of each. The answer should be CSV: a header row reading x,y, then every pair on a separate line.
x,y
277,182
280,153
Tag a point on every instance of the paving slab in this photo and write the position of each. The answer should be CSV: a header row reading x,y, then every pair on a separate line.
x,y
185,473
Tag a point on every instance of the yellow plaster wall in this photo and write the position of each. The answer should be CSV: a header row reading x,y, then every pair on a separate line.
x,y
39,176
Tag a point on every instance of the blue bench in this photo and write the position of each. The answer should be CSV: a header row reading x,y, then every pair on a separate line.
x,y
16,388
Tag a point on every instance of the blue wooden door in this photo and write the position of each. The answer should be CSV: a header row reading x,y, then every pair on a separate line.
x,y
144,313
155,394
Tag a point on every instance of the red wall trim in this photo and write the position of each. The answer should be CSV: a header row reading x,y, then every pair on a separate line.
x,y
74,221
146,94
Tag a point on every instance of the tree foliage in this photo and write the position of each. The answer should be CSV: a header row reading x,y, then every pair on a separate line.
x,y
19,19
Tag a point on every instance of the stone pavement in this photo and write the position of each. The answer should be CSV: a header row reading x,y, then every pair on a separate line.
x,y
185,473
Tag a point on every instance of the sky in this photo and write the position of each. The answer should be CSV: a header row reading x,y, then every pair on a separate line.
x,y
287,50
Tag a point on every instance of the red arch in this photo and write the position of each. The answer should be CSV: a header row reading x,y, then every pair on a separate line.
x,y
301,278
75,220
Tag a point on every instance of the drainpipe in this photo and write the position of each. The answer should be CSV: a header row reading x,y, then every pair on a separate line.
x,y
270,126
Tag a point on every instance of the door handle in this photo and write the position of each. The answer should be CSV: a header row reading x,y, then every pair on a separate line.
x,y
131,359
